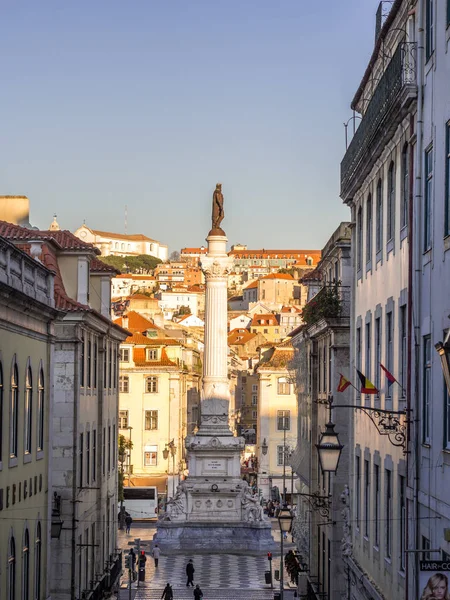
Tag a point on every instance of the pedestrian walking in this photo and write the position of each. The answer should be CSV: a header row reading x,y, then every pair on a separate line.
x,y
128,521
167,593
198,592
156,554
132,554
190,573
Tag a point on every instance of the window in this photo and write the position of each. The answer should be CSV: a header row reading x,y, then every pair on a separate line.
x,y
110,367
115,367
426,387
28,411
403,348
26,567
81,463
376,504
89,363
88,457
405,187
13,423
254,387
124,384
389,348
104,451
379,211
151,385
283,386
254,414
426,545
283,420
324,369
1,410
377,352
368,368
82,361
429,25
428,196
366,498
37,563
123,419
388,513
124,354
151,420
12,570
358,348
330,354
280,456
319,364
446,418
369,229
40,412
254,399
151,456
109,448
94,455
358,490
359,239
447,168
152,354
95,364
391,203
402,509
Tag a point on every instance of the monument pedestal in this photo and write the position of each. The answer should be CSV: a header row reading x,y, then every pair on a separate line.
x,y
213,510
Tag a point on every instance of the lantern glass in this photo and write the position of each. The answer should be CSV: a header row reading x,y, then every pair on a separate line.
x,y
285,520
444,354
165,454
329,449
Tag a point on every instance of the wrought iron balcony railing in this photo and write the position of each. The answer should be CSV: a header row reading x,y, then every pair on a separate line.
x,y
331,302
393,94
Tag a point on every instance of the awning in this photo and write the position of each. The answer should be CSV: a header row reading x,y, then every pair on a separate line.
x,y
146,481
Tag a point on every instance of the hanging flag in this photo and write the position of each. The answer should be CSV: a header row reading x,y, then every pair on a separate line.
x,y
367,386
391,379
344,383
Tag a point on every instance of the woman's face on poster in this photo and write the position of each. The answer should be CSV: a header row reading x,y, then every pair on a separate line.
x,y
439,590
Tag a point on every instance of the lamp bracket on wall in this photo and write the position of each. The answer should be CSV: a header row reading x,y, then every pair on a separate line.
x,y
321,504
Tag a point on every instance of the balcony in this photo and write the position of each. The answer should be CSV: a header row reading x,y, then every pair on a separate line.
x,y
331,302
395,92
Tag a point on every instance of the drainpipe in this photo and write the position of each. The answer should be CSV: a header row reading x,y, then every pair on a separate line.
x,y
416,296
76,399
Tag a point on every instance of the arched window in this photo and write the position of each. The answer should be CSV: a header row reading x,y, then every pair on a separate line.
x,y
37,563
369,229
13,413
405,186
1,411
12,570
379,223
28,410
40,413
391,203
359,231
26,567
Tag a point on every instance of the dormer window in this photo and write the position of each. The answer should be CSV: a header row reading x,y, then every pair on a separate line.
x,y
124,355
152,354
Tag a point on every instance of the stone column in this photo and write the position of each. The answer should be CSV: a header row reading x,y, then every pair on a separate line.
x,y
215,391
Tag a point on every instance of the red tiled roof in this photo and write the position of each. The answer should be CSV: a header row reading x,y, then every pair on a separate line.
x,y
142,340
63,239
141,361
269,320
252,285
136,322
193,251
136,277
98,266
138,296
238,337
278,276
290,309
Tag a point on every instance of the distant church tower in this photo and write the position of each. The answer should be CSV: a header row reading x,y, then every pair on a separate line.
x,y
54,226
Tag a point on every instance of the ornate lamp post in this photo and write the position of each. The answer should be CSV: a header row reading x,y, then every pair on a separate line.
x,y
285,522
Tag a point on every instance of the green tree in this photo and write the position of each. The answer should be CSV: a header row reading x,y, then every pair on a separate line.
x,y
144,263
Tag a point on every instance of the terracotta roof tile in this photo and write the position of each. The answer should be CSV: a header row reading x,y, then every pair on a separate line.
x,y
262,320
98,266
280,359
278,276
64,239
239,337
291,309
141,361
138,237
142,340
252,285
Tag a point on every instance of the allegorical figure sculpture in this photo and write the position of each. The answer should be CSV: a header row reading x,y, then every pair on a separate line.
x,y
217,207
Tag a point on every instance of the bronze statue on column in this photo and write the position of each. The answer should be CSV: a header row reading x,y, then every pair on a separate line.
x,y
217,208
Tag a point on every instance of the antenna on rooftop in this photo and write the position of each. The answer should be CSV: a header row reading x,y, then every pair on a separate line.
x,y
126,219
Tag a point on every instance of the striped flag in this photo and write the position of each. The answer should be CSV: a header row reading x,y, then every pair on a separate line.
x,y
344,383
367,386
391,379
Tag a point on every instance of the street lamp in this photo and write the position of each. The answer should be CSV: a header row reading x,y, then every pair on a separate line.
x,y
285,522
264,447
329,449
443,349
171,449
57,522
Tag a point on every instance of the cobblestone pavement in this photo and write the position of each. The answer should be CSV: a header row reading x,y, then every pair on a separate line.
x,y
220,576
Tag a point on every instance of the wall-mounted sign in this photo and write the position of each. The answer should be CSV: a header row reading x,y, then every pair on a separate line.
x,y
434,579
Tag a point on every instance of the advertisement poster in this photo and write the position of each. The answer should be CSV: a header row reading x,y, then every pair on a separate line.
x,y
434,580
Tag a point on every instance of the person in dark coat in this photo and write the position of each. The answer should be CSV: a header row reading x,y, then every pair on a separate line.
x,y
128,521
190,573
198,594
167,593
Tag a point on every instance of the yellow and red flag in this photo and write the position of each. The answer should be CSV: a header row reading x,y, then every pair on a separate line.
x,y
367,386
343,383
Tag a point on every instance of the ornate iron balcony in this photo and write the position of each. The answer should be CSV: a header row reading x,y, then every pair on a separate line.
x,y
394,93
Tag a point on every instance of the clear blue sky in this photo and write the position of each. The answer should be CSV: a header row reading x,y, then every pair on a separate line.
x,y
149,103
